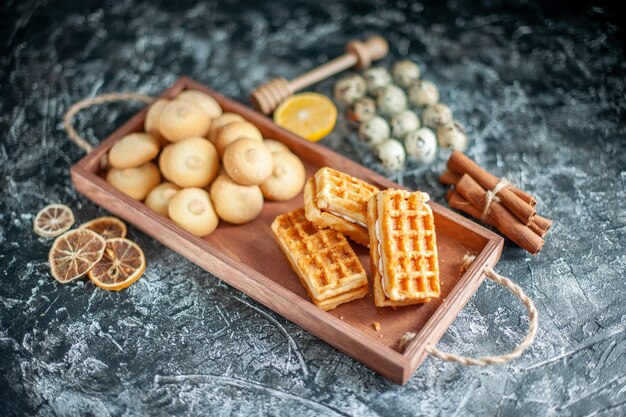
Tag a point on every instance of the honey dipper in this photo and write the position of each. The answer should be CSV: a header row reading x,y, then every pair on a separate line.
x,y
268,96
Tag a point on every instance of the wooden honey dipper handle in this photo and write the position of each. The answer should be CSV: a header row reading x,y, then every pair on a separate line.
x,y
268,96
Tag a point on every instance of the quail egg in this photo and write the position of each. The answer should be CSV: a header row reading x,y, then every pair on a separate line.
x,y
403,123
376,78
391,154
362,110
349,89
437,114
405,73
421,145
452,135
423,93
374,131
391,100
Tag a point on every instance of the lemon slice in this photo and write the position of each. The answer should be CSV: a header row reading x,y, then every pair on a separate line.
x,y
74,253
107,227
53,220
310,115
122,264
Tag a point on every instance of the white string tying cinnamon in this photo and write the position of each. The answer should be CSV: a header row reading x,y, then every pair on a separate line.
x,y
533,324
92,101
492,197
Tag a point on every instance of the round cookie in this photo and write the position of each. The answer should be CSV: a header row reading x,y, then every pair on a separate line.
x,y
192,162
276,146
135,182
151,123
192,209
207,103
233,131
220,122
133,150
287,179
248,161
159,198
236,203
181,120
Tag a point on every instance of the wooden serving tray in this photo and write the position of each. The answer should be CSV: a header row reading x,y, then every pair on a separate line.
x,y
248,258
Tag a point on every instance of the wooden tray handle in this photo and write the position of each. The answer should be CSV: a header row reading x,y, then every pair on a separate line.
x,y
93,101
519,349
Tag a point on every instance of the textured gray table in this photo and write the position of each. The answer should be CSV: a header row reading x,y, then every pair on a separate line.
x,y
542,92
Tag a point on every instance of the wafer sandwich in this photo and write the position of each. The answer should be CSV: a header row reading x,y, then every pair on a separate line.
x,y
403,248
323,259
339,201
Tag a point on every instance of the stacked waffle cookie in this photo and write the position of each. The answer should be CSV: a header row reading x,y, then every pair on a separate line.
x,y
397,225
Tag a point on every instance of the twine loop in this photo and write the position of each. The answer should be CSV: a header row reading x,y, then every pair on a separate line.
x,y
533,318
492,197
92,101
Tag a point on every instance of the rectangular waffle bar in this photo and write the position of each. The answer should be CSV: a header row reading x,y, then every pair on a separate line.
x,y
403,248
339,201
323,259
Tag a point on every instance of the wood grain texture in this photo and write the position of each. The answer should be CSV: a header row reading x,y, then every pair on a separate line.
x,y
247,257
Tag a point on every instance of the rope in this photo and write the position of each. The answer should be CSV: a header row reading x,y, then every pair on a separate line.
x,y
518,350
491,198
92,101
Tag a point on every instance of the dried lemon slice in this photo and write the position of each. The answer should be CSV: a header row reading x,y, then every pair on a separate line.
x,y
122,264
53,220
74,253
107,227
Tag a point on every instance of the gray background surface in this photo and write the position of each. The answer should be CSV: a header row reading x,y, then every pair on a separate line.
x,y
542,92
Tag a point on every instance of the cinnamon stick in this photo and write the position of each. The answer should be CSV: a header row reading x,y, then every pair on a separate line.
x,y
540,225
451,178
498,215
461,164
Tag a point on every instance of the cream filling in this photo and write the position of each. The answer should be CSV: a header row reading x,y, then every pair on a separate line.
x,y
380,256
348,219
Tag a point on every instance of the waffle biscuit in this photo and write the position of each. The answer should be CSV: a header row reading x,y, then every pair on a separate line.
x,y
339,201
325,263
403,248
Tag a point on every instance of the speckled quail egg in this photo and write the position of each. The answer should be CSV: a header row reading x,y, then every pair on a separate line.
x,y
435,115
375,78
391,154
403,123
423,93
362,110
391,100
349,89
452,135
405,73
421,145
374,131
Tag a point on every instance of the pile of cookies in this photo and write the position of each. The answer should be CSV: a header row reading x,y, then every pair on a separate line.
x,y
214,165
398,113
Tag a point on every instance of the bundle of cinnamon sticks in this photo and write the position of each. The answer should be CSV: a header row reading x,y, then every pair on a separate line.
x,y
488,198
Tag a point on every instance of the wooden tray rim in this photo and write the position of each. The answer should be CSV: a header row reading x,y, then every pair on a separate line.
x,y
397,364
